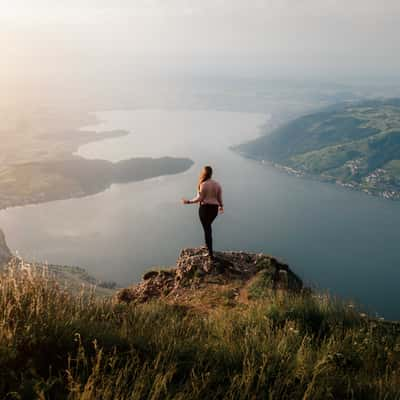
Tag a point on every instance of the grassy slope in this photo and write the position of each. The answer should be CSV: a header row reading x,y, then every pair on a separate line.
x,y
353,143
56,345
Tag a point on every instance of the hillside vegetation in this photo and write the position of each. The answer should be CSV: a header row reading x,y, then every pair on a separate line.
x,y
354,144
59,345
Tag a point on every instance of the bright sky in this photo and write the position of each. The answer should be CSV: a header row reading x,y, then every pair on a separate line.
x,y
236,37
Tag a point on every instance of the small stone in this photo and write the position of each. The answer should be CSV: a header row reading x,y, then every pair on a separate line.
x,y
150,274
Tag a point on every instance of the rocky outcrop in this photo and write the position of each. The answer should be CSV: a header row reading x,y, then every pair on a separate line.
x,y
239,272
5,253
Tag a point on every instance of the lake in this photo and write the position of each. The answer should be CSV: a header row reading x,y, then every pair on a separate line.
x,y
338,240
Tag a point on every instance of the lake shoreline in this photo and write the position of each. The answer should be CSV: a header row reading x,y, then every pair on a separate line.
x,y
385,195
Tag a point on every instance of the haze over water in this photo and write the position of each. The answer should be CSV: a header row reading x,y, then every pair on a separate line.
x,y
342,241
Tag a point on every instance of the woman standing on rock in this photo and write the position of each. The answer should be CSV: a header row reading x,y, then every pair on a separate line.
x,y
209,195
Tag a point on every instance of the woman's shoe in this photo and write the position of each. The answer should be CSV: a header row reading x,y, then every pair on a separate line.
x,y
204,251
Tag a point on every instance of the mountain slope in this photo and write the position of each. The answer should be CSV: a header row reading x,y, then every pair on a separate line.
x,y
73,278
187,334
353,144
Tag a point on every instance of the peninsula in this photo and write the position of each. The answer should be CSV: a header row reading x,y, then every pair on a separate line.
x,y
37,162
355,145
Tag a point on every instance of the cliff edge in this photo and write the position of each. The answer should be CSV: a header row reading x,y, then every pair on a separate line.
x,y
233,278
5,253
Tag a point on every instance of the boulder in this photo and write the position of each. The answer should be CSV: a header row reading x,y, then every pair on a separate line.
x,y
194,269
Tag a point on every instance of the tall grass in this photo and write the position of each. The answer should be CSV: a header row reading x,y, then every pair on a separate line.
x,y
55,345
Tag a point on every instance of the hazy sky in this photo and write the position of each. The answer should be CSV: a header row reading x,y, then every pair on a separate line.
x,y
66,39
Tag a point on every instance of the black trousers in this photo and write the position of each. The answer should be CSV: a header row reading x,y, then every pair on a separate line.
x,y
207,214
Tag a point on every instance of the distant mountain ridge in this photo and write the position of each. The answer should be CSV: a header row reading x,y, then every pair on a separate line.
x,y
356,145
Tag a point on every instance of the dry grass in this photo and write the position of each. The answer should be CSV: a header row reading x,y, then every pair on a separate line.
x,y
56,345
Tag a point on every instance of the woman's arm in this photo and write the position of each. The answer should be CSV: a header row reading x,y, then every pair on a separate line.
x,y
219,197
197,199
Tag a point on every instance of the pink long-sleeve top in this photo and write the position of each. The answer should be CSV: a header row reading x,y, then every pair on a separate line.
x,y
210,193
